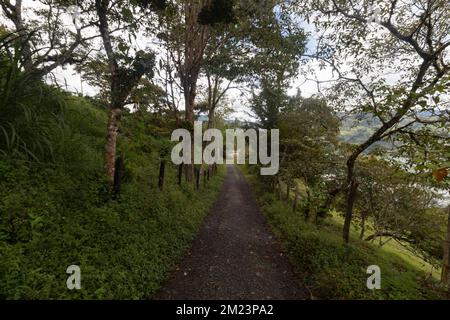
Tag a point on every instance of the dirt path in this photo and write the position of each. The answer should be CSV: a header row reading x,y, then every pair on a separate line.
x,y
234,256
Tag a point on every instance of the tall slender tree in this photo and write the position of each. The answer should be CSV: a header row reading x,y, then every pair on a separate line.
x,y
124,71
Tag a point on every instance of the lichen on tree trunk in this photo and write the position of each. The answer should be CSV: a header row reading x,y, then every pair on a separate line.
x,y
114,118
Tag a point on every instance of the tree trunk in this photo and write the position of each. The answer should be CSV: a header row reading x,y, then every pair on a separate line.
x,y
189,106
213,99
190,119
115,115
118,174
197,178
211,117
363,226
288,191
162,171
180,173
308,204
349,213
24,36
190,102
278,188
445,276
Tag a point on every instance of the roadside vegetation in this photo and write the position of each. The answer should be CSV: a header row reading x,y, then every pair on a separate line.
x,y
58,209
331,270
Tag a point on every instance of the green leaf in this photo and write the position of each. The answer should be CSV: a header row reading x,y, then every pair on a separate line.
x,y
123,47
127,14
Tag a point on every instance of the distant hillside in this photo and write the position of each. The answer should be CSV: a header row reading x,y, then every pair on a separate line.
x,y
356,129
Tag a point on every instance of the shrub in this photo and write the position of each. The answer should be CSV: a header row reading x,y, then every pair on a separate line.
x,y
333,270
58,213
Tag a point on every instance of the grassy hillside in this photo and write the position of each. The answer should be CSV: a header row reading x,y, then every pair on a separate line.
x,y
332,270
58,212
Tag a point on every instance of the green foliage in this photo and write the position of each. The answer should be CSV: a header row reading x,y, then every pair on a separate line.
x,y
333,270
269,103
58,214
308,130
152,4
30,111
401,206
218,11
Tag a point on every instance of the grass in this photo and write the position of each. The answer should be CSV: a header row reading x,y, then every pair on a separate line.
x,y
333,270
392,247
57,214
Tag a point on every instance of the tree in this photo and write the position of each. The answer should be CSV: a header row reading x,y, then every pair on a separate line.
x,y
269,103
375,38
124,72
400,206
220,39
265,44
309,131
45,41
216,89
185,37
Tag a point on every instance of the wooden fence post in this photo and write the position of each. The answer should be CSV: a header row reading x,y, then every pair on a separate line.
x,y
162,172
118,174
279,191
180,174
197,178
294,206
